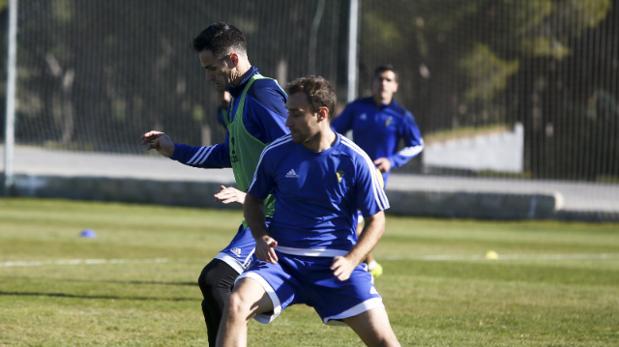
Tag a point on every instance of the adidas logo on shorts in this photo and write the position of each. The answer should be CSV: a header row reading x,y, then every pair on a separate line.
x,y
291,174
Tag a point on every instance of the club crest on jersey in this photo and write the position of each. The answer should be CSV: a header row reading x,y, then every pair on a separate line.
x,y
339,174
291,174
363,116
388,121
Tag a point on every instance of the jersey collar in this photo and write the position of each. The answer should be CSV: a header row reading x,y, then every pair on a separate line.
x,y
390,105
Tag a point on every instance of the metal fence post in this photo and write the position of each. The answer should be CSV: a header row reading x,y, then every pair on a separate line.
x,y
9,135
353,28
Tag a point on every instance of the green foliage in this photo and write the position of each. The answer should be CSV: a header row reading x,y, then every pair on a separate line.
x,y
104,71
462,64
588,13
554,284
386,31
545,27
487,72
119,110
479,63
544,47
63,10
524,17
198,113
451,21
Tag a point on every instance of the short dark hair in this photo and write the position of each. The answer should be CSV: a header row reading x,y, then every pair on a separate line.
x,y
318,90
385,67
219,38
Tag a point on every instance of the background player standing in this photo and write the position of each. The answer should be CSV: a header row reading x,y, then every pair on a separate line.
x,y
378,125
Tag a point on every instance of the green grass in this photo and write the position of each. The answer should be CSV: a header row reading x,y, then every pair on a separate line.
x,y
554,284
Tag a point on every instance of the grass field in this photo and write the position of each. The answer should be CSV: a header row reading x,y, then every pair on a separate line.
x,y
554,284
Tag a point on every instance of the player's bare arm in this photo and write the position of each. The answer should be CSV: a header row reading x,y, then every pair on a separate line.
x,y
159,141
254,216
372,231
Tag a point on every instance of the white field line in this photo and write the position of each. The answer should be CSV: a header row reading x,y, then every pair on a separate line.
x,y
63,262
431,257
508,257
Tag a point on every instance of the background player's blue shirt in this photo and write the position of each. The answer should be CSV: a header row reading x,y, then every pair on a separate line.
x,y
377,129
264,117
317,195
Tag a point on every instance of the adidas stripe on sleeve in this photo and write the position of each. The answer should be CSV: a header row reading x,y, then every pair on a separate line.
x,y
370,195
216,156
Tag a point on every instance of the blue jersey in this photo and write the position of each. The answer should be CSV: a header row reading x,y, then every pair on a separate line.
x,y
264,117
378,129
317,195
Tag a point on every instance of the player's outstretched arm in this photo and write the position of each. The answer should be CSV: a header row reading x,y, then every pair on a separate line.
x,y
213,156
254,216
159,141
372,231
227,195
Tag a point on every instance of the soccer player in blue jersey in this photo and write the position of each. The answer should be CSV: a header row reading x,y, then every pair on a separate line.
x,y
310,253
256,116
379,124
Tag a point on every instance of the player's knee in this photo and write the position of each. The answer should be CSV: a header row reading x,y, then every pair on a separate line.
x,y
237,307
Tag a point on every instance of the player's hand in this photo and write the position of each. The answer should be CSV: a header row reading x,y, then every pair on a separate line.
x,y
342,267
159,141
227,195
226,97
265,249
383,164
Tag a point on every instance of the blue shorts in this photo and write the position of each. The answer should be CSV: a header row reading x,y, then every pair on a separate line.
x,y
240,251
309,280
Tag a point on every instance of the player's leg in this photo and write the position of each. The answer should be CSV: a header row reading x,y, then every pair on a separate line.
x,y
248,299
355,302
216,281
373,327
262,292
217,278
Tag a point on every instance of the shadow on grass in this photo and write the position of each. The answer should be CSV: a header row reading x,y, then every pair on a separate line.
x,y
94,297
136,282
132,282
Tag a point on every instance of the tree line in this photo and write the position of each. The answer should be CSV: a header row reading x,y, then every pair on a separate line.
x,y
94,74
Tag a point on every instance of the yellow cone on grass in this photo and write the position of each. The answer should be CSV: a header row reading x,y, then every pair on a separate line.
x,y
492,255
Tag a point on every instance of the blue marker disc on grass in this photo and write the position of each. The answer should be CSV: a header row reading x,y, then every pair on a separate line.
x,y
88,233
